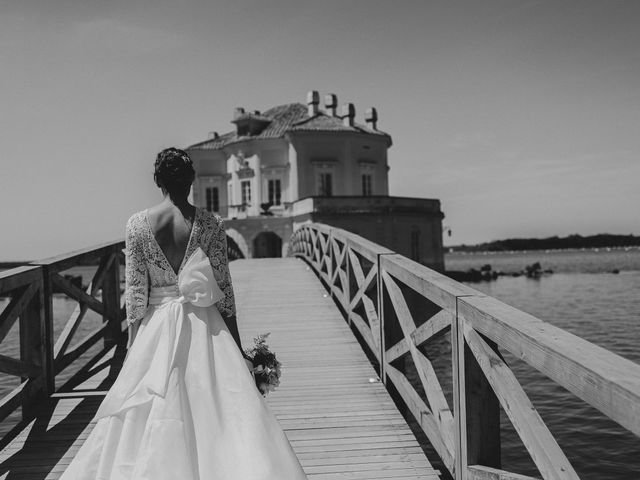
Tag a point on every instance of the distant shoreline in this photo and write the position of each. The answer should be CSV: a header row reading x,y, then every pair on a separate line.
x,y
571,242
448,251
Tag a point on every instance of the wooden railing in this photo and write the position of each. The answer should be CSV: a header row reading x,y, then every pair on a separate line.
x,y
30,292
399,306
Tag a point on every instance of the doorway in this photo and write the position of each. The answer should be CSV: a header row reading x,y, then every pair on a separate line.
x,y
267,245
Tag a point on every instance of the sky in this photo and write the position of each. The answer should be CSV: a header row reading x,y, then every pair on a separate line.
x,y
522,117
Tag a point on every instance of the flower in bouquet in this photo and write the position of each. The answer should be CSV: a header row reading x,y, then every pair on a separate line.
x,y
266,367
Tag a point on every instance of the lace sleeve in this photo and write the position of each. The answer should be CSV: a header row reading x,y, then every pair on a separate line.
x,y
136,275
217,253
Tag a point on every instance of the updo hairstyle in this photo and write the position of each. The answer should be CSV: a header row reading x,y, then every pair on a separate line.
x,y
173,170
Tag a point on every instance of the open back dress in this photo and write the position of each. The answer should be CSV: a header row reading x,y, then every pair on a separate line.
x,y
184,406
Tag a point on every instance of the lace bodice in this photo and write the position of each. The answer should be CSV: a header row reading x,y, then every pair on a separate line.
x,y
146,265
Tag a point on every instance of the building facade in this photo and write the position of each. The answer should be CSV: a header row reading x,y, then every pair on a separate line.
x,y
295,163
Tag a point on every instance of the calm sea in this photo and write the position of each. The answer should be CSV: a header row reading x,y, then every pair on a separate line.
x,y
585,299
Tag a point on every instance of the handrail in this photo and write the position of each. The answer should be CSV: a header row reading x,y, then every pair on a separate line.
x,y
397,305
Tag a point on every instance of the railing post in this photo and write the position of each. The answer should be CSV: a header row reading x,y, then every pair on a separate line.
x,y
111,302
459,397
483,414
48,370
476,407
32,350
347,289
381,317
330,266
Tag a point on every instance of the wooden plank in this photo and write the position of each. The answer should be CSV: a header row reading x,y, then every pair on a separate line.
x,y
364,247
70,327
543,448
18,277
434,286
77,294
436,325
99,276
16,306
601,378
13,366
78,257
480,472
422,414
365,330
482,411
32,351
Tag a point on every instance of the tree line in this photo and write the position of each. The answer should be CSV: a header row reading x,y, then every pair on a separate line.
x,y
552,243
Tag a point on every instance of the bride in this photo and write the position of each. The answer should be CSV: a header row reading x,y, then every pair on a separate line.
x,y
184,406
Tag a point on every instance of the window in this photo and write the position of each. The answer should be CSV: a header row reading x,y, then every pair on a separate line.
x,y
212,199
325,186
367,177
415,244
274,192
245,188
366,185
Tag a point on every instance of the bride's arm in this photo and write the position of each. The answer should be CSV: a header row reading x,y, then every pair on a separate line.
x,y
136,277
217,253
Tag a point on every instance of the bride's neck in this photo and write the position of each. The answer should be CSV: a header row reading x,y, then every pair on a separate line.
x,y
180,202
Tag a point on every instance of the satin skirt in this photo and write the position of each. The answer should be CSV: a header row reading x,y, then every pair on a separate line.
x,y
184,406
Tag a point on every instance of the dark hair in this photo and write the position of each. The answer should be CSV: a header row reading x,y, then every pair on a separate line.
x,y
173,170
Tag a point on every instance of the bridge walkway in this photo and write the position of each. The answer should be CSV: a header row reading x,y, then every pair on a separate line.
x,y
336,413
338,416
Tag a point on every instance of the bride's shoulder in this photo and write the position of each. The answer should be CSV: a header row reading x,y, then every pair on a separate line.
x,y
211,219
136,221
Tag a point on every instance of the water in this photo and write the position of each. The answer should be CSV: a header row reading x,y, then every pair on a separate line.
x,y
564,261
583,299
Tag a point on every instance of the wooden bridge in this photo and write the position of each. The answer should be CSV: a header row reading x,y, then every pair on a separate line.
x,y
354,325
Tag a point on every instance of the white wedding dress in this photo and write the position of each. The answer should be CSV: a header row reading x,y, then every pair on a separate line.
x,y
184,406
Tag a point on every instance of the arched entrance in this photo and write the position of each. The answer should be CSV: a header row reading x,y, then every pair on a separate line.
x,y
267,245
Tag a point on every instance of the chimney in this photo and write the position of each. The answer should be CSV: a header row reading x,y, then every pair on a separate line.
x,y
237,112
256,112
348,114
313,100
371,117
213,136
331,104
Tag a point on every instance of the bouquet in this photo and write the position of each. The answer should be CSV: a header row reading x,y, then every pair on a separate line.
x,y
266,368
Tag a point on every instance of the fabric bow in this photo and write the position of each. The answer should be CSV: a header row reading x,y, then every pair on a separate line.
x,y
196,283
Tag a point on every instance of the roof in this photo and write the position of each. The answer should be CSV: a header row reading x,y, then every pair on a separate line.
x,y
291,117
